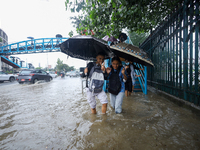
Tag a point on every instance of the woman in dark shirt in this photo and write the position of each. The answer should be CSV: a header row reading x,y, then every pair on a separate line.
x,y
128,84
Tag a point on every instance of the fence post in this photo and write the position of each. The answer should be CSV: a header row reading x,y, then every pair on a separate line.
x,y
185,51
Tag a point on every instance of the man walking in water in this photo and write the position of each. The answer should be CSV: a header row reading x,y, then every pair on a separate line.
x,y
95,71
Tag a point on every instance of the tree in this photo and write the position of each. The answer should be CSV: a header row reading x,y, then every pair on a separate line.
x,y
71,68
0,39
59,65
137,38
70,33
109,17
38,68
63,67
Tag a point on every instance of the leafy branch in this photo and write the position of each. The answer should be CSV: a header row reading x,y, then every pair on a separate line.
x,y
110,17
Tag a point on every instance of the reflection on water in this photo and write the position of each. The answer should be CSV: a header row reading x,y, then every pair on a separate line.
x,y
56,115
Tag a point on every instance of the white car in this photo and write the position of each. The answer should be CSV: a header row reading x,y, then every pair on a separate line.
x,y
7,77
52,74
67,74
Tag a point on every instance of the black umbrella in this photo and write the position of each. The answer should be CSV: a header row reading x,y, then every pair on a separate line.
x,y
131,53
85,47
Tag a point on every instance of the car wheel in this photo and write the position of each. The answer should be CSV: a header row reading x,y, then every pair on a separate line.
x,y
12,79
1,81
34,81
50,79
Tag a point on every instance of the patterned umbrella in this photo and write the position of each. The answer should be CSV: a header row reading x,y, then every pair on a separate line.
x,y
111,38
131,53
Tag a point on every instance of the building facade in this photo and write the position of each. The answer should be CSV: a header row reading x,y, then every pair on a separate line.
x,y
4,41
10,63
3,38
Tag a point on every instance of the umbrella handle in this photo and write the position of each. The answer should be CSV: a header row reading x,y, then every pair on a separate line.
x,y
86,81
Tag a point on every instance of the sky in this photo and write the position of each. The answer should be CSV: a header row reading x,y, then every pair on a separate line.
x,y
39,19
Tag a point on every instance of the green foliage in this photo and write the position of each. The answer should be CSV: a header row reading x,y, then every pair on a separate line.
x,y
59,65
70,33
63,67
137,38
38,68
8,72
109,17
1,40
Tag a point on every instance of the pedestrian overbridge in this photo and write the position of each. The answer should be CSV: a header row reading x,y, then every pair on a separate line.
x,y
41,45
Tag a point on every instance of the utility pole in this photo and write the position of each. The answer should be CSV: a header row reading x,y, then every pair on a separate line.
x,y
0,63
47,63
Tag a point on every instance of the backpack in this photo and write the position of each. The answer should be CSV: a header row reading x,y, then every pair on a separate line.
x,y
114,85
96,79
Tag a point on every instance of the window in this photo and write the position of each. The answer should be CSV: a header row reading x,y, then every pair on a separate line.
x,y
37,71
25,72
43,72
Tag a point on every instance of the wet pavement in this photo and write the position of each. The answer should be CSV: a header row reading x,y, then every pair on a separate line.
x,y
56,115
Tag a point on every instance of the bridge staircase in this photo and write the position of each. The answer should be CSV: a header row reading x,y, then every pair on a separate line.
x,y
9,62
137,87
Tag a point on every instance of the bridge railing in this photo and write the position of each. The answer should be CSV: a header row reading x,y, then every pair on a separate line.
x,y
34,45
143,78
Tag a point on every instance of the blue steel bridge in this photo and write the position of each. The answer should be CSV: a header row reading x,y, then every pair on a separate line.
x,y
41,45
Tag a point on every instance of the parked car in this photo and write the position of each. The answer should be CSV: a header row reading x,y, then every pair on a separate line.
x,y
32,76
68,73
7,77
52,74
74,74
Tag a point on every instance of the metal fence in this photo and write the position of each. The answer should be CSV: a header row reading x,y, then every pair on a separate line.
x,y
174,47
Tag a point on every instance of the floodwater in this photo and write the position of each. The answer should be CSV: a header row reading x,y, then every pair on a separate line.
x,y
56,115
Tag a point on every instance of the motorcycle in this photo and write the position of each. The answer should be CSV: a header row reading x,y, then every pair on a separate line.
x,y
62,75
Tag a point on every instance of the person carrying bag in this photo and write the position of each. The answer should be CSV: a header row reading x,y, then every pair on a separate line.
x,y
116,86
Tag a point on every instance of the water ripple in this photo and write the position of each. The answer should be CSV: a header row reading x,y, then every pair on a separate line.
x,y
56,115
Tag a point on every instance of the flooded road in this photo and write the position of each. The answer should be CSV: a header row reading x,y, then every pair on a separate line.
x,y
56,115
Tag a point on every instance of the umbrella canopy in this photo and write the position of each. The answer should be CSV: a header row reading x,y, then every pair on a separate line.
x,y
85,47
112,39
105,38
131,53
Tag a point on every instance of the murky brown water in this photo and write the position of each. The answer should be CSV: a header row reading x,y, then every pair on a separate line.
x,y
56,115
